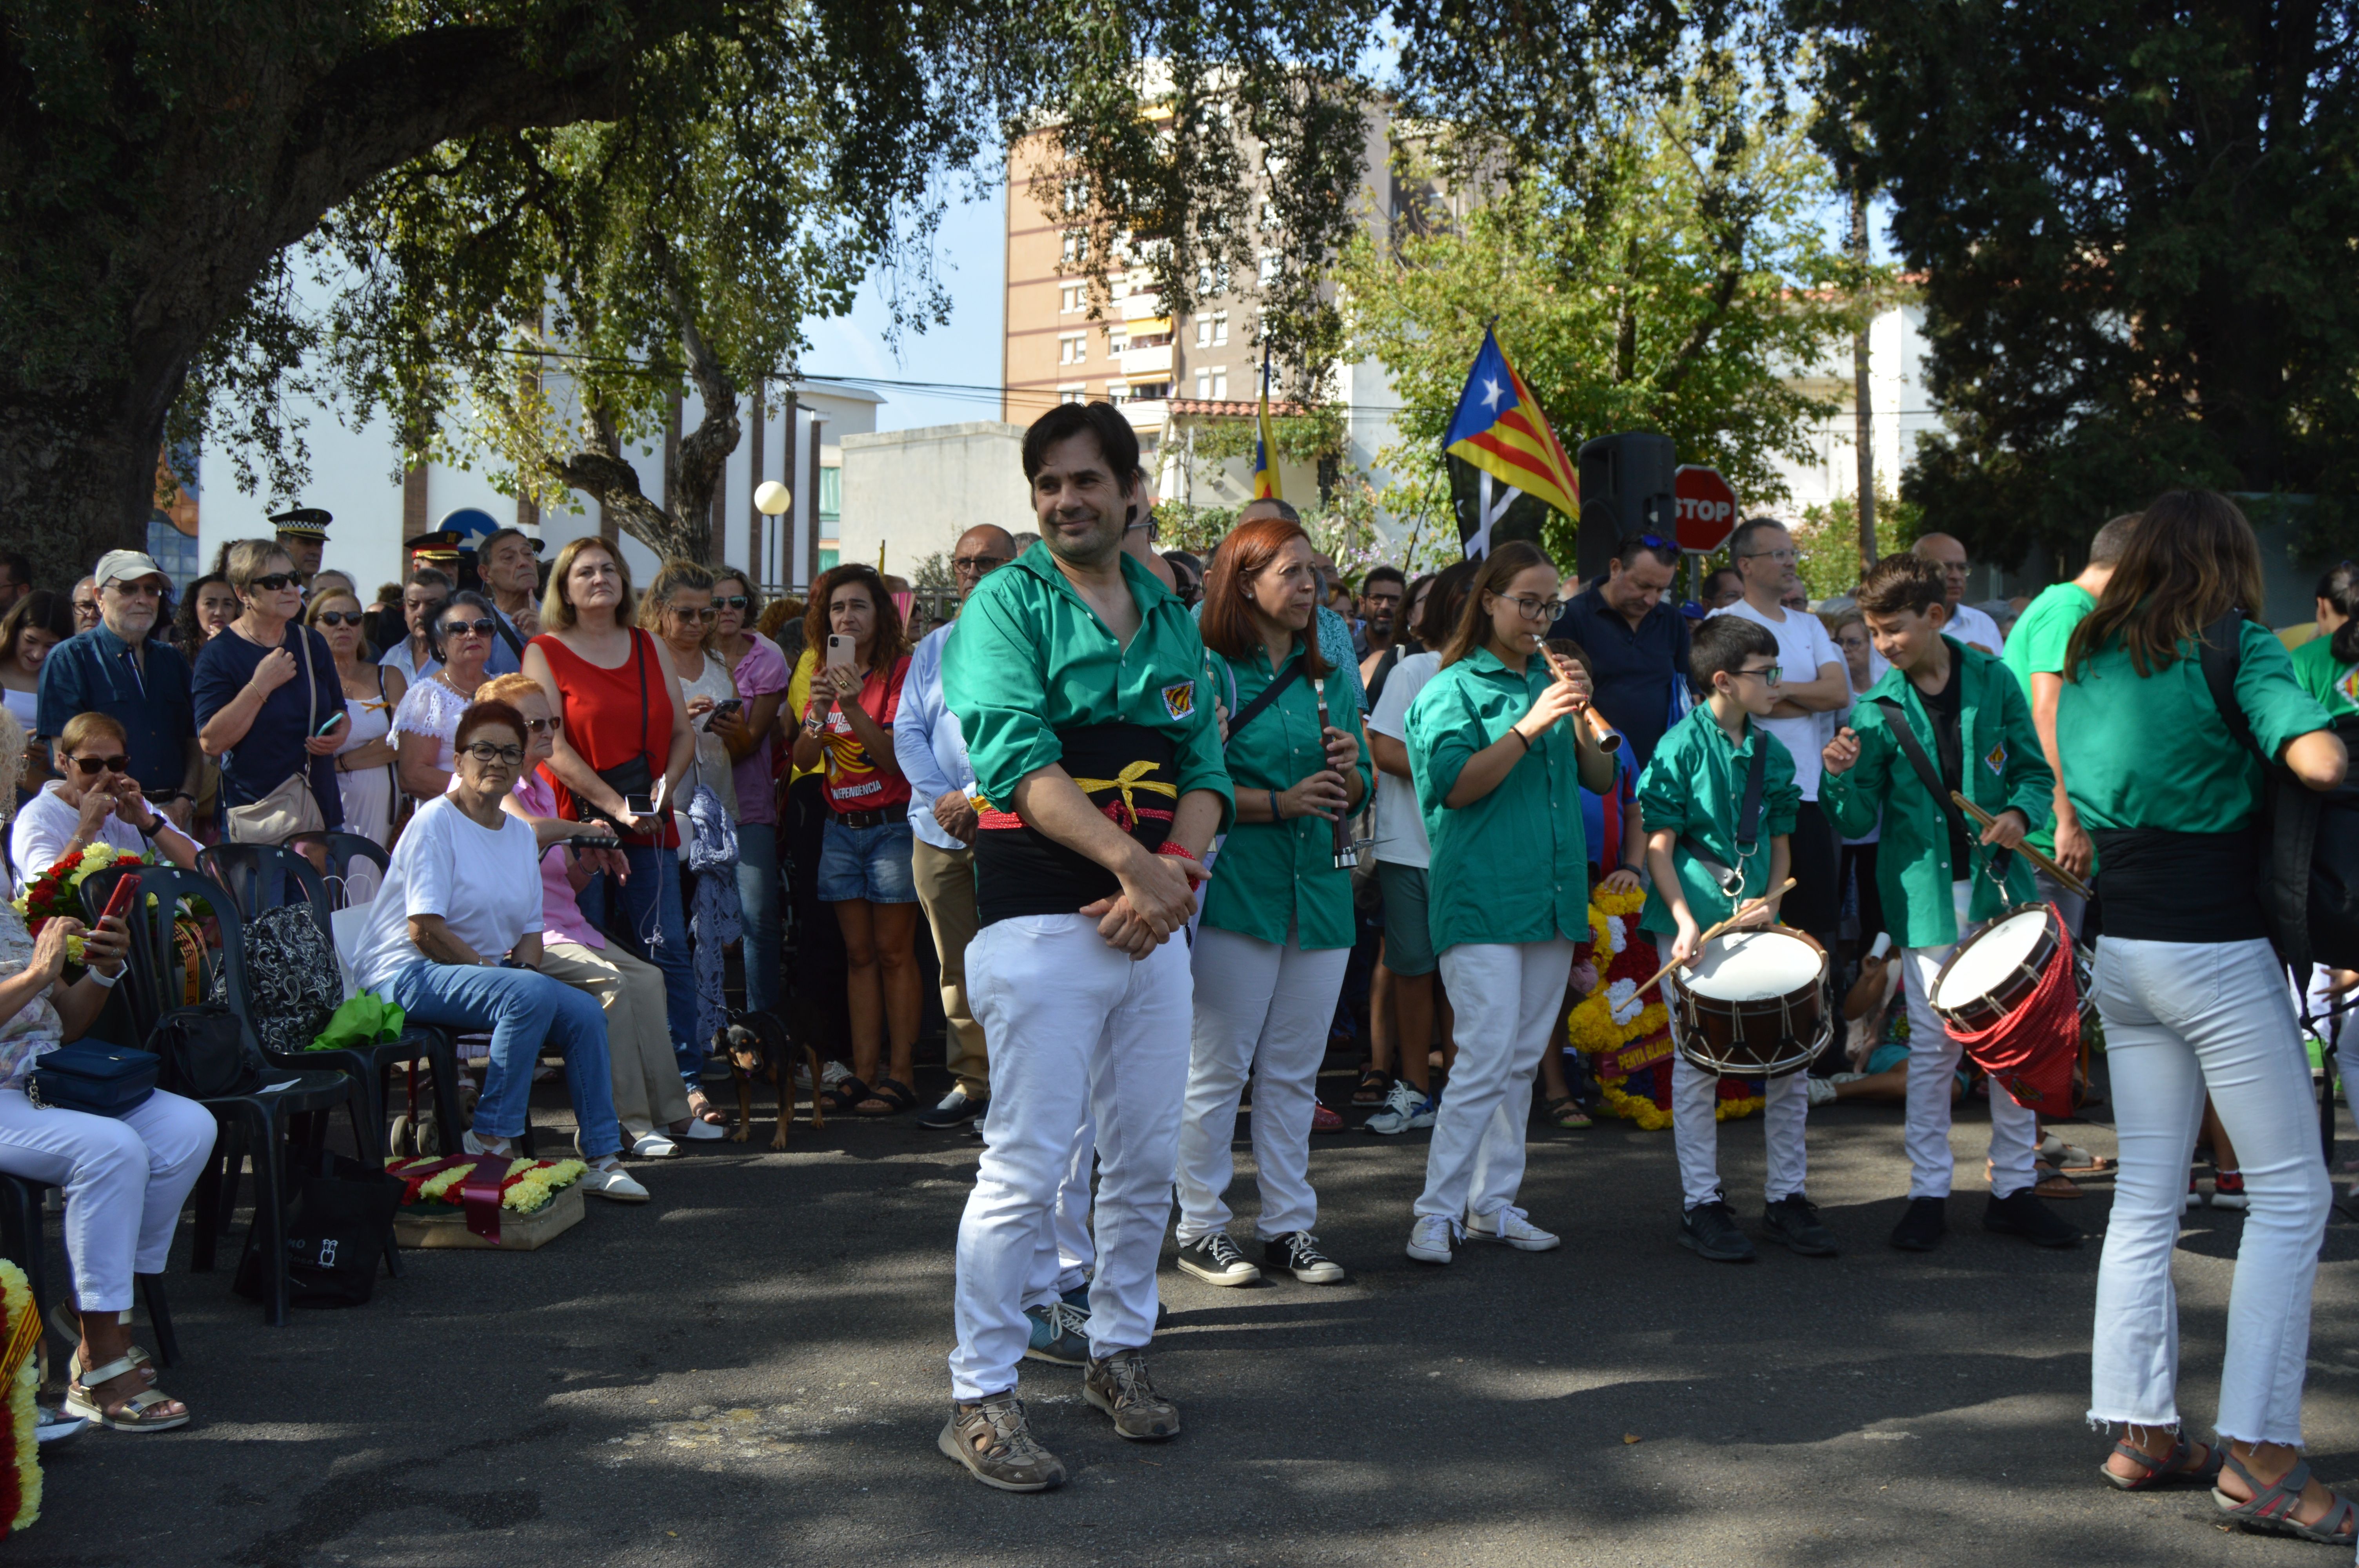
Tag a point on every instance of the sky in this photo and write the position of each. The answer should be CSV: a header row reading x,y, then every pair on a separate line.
x,y
960,362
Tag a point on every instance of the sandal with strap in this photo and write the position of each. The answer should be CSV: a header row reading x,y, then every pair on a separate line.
x,y
1566,1112
2170,1469
134,1414
897,1096
2271,1508
1374,1085
840,1098
67,1327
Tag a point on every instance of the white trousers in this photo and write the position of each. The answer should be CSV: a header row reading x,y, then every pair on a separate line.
x,y
1505,996
1261,1008
1076,1030
1933,1060
1694,1093
1062,1255
2181,1018
125,1179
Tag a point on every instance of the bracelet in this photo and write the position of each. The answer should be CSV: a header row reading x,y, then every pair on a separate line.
x,y
1519,735
1176,850
106,982
1274,814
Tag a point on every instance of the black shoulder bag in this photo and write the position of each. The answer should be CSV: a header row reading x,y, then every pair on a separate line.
x,y
1748,824
633,775
1930,777
1269,694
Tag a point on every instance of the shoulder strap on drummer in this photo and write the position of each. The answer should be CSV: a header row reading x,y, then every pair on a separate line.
x,y
1748,814
1930,777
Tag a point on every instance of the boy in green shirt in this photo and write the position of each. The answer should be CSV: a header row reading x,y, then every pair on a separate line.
x,y
1699,846
1968,721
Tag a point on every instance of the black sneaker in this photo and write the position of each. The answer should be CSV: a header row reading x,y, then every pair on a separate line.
x,y
1921,1227
1710,1231
1794,1220
1297,1252
1215,1259
2023,1214
956,1109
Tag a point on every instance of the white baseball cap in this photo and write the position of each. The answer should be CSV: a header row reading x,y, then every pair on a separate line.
x,y
120,566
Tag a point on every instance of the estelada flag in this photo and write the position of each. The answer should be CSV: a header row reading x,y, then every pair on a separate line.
x,y
1264,469
1499,428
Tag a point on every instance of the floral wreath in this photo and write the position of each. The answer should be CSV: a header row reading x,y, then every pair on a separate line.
x,y
527,1189
58,891
1627,1037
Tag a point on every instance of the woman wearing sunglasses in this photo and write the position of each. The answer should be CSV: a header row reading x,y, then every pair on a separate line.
x,y
269,706
364,774
92,801
460,636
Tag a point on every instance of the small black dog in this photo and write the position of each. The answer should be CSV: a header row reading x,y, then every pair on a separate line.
x,y
758,1045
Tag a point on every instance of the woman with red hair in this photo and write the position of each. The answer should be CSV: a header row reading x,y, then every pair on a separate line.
x,y
1277,924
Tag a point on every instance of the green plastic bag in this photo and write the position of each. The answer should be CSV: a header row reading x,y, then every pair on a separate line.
x,y
365,1020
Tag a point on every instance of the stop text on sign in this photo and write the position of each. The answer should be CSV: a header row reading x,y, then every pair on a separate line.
x,y
1706,508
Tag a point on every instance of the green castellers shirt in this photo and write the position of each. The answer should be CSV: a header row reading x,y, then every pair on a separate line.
x,y
2002,766
2335,684
1511,867
1694,786
2036,647
1272,875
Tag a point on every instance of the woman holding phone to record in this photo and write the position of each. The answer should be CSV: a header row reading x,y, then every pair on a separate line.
x,y
269,706
625,741
863,867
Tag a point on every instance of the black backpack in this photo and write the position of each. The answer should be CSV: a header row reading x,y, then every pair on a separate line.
x,y
2310,840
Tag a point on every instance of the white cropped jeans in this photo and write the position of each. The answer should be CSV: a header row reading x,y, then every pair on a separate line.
x,y
2181,1018
1507,996
1076,1030
1261,1008
1932,1071
125,1179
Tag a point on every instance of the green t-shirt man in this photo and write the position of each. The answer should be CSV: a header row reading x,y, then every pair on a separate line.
x,y
2036,646
2326,678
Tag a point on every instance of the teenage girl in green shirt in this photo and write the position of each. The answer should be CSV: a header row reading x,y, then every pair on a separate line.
x,y
2328,665
1277,927
2193,997
1499,773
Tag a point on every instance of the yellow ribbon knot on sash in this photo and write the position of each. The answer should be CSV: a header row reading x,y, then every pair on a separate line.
x,y
1133,777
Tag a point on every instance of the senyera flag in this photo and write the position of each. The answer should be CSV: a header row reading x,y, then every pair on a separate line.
x,y
1500,434
1264,469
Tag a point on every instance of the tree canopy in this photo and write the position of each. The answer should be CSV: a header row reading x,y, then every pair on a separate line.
x,y
2135,223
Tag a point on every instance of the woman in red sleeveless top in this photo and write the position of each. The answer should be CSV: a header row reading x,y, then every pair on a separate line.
x,y
622,730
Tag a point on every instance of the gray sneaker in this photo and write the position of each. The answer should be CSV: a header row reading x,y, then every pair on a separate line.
x,y
1060,1334
993,1439
1405,1109
1118,1384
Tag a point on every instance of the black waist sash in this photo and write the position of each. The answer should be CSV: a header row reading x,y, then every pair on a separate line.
x,y
1129,772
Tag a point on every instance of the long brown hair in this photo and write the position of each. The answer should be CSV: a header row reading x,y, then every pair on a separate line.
x,y
892,641
1502,566
43,610
1225,621
2191,559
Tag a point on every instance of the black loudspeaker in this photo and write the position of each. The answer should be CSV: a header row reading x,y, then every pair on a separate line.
x,y
1626,488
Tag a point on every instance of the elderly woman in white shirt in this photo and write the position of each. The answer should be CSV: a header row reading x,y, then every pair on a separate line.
x,y
93,800
453,938
125,1178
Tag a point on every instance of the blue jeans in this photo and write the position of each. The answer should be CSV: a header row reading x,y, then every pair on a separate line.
x,y
522,1008
646,911
757,901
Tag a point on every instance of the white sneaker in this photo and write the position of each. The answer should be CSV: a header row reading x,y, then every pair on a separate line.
x,y
474,1145
653,1146
701,1131
54,1426
1405,1109
1820,1090
1510,1225
1429,1238
611,1181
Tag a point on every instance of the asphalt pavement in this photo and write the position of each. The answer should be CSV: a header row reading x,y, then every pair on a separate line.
x,y
749,1369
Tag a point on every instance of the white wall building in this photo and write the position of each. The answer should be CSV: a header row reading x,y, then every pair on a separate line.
x,y
910,494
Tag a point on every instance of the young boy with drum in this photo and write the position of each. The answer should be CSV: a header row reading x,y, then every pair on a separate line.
x,y
1719,799
1944,718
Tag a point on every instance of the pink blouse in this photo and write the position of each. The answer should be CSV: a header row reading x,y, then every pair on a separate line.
x,y
561,914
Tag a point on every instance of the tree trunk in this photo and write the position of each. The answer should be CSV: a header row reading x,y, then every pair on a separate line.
x,y
74,485
696,462
1863,404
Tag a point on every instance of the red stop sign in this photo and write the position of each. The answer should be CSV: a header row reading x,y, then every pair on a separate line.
x,y
1707,508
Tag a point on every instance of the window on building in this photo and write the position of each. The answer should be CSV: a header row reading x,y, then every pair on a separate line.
x,y
1220,327
1077,196
1117,339
1204,384
1220,384
1071,298
1212,280
1203,332
1117,393
830,497
1269,215
1073,348
1153,391
1270,269
1073,392
828,561
1076,252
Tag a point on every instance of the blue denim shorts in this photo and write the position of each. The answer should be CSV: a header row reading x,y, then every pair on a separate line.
x,y
866,862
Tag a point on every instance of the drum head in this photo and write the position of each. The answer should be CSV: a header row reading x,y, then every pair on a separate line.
x,y
1983,964
1755,966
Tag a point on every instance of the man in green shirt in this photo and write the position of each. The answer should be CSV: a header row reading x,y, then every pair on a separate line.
x,y
1075,680
2035,652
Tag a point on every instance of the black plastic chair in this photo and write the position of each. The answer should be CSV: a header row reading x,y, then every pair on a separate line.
x,y
338,850
20,1242
259,1124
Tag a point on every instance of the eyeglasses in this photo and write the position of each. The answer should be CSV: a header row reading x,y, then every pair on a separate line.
x,y
141,589
552,725
341,617
481,627
1533,608
1773,674
977,564
1786,557
734,601
487,753
707,613
276,582
94,765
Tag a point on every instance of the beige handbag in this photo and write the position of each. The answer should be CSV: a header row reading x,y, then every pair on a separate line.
x,y
291,808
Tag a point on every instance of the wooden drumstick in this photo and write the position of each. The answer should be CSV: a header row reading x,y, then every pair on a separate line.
x,y
2072,883
1655,979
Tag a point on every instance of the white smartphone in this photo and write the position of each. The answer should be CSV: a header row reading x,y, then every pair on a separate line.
x,y
839,651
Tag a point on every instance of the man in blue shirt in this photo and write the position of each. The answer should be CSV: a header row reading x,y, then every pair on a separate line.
x,y
140,681
1637,641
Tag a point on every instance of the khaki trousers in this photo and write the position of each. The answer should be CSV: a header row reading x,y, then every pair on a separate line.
x,y
945,880
647,1088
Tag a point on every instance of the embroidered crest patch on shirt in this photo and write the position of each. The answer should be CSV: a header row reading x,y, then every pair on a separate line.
x,y
2349,686
1995,760
1180,700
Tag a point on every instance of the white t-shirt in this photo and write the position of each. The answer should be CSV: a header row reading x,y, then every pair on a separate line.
x,y
1400,827
45,824
484,881
1803,646
1977,630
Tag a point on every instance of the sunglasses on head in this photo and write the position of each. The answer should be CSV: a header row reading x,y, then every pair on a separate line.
x,y
480,627
90,765
276,582
341,618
